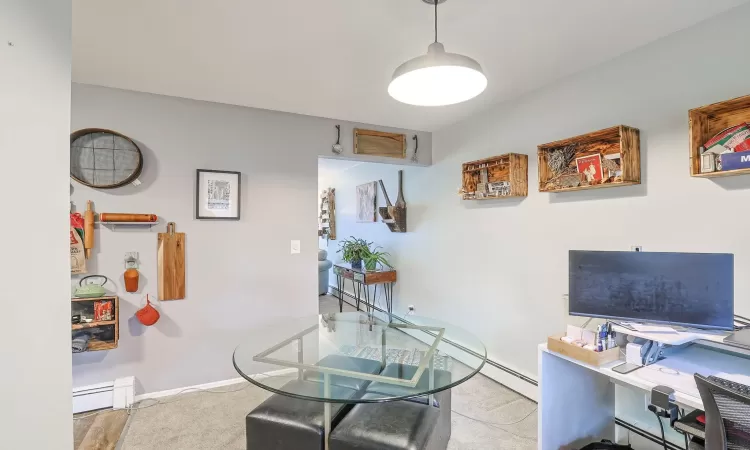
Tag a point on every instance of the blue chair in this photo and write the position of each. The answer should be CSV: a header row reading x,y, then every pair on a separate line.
x,y
324,266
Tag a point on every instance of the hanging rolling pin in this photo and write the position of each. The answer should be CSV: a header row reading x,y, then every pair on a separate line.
x,y
121,217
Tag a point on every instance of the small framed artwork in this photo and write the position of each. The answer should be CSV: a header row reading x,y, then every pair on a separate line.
x,y
591,167
217,195
366,201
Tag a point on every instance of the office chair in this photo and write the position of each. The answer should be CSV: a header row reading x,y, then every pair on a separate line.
x,y
727,406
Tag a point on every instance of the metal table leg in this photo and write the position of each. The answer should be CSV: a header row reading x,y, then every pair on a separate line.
x,y
340,287
326,409
388,288
357,289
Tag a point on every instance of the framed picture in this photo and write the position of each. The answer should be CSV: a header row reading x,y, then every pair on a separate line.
x,y
591,167
217,195
366,198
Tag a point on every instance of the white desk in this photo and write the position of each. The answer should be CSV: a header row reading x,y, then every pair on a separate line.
x,y
577,401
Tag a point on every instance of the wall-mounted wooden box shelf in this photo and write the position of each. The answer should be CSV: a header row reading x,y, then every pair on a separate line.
x,y
602,159
706,122
503,176
108,328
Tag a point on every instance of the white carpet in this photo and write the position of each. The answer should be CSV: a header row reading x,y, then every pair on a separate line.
x,y
202,420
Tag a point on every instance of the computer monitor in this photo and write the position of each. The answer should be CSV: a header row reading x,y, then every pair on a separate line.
x,y
689,289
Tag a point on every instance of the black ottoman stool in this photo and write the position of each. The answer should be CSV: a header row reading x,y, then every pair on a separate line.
x,y
399,425
286,423
351,363
405,371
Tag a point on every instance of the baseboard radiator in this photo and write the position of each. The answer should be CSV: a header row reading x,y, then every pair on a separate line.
x,y
117,394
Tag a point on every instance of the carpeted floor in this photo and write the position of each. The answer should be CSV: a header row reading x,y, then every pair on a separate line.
x,y
211,420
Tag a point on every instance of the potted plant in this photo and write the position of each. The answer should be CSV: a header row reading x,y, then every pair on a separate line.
x,y
353,251
375,257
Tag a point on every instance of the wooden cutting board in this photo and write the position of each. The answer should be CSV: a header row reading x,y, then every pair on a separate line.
x,y
171,264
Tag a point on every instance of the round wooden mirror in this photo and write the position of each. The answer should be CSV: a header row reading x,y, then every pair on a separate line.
x,y
104,158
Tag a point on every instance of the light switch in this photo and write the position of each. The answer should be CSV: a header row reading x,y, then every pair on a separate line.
x,y
295,247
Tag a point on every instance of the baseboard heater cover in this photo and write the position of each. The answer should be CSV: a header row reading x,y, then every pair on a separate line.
x,y
117,394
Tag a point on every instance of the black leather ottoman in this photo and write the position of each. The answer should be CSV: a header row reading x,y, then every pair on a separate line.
x,y
405,371
286,423
360,365
399,425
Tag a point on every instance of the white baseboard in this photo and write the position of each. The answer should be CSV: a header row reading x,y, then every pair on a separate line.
x,y
211,385
116,394
512,382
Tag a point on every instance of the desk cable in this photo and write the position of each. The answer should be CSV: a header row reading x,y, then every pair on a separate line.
x,y
500,426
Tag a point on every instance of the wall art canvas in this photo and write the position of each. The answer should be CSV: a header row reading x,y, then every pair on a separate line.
x,y
366,198
217,195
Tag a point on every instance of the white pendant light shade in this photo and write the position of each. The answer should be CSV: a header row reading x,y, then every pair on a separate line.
x,y
437,79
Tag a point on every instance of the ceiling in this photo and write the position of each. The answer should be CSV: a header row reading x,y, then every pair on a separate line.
x,y
334,58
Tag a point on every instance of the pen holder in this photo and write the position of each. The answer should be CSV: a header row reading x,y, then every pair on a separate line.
x,y
589,357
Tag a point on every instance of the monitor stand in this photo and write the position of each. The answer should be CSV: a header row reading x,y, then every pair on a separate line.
x,y
678,328
627,325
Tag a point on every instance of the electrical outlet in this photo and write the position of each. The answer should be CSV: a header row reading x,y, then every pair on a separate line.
x,y
636,248
295,247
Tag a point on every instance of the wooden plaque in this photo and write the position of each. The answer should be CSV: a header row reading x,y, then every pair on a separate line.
x,y
378,143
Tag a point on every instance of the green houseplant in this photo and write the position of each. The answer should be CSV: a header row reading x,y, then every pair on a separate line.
x,y
355,251
375,256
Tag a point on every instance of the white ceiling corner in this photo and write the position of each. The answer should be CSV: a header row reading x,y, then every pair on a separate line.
x,y
334,58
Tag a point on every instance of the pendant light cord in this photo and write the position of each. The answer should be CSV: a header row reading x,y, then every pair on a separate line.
x,y
436,26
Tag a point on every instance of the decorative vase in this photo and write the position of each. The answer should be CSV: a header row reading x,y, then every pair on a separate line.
x,y
371,266
356,263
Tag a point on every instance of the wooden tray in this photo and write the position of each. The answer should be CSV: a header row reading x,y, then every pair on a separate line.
x,y
589,357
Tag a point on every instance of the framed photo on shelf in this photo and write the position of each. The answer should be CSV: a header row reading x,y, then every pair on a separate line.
x,y
591,167
217,194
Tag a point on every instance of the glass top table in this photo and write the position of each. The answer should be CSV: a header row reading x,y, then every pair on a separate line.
x,y
408,358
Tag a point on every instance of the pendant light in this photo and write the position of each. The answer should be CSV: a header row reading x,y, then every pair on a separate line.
x,y
437,78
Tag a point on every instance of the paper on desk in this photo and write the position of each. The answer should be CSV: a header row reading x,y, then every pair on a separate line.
x,y
650,328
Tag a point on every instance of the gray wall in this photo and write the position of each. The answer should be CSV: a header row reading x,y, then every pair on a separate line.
x,y
34,120
240,275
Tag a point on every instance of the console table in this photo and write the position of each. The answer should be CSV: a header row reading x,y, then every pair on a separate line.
x,y
361,281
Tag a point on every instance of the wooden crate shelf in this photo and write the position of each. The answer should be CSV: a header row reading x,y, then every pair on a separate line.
x,y
706,122
507,176
607,143
96,344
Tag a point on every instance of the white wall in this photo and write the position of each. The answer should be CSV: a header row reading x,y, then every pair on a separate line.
x,y
240,275
499,268
34,125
